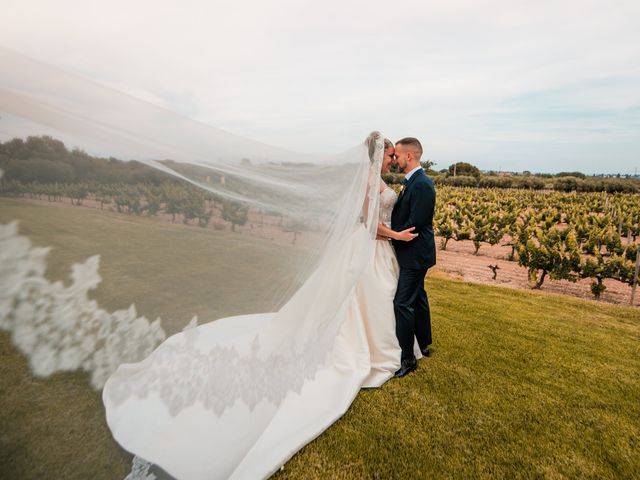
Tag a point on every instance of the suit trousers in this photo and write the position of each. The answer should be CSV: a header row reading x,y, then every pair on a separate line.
x,y
411,306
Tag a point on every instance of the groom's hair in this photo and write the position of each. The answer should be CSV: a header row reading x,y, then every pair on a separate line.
x,y
414,143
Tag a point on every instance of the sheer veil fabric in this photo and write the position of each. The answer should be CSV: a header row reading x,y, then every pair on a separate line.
x,y
225,395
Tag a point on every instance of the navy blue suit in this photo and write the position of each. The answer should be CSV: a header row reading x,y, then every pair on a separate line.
x,y
414,208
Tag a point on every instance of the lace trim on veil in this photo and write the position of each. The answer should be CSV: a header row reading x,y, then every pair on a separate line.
x,y
59,328
140,470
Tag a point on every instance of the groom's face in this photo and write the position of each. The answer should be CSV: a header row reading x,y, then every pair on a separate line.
x,y
401,157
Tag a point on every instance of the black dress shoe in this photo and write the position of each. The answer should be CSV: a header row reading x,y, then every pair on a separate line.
x,y
425,352
406,367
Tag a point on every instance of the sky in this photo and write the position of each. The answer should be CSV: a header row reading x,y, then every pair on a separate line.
x,y
544,86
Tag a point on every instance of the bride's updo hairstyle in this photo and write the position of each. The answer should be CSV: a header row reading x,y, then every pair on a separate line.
x,y
370,142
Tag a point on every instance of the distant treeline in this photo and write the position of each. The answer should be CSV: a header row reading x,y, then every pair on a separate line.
x,y
560,184
463,174
47,160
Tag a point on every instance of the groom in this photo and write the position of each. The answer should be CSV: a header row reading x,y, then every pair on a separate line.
x,y
414,208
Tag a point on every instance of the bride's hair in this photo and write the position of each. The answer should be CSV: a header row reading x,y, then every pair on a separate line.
x,y
370,142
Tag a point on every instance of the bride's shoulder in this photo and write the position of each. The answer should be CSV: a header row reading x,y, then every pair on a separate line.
x,y
387,193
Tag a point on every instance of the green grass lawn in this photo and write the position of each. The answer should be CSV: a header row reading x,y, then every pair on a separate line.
x,y
521,384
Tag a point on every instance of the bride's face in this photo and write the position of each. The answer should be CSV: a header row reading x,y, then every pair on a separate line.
x,y
388,159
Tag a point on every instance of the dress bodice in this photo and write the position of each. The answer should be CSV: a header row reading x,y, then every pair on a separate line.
x,y
388,199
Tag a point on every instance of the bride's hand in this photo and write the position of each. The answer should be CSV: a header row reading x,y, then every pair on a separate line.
x,y
407,235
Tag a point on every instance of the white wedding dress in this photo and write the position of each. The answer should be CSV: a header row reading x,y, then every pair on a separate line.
x,y
173,425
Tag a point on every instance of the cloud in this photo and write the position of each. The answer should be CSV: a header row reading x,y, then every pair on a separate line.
x,y
485,82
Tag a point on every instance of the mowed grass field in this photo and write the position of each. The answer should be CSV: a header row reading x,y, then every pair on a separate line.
x,y
521,384
174,271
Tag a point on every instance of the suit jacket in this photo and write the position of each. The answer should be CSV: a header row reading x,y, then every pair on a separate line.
x,y
414,208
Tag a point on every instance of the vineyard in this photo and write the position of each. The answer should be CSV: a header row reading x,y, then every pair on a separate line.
x,y
557,235
172,201
564,236
140,199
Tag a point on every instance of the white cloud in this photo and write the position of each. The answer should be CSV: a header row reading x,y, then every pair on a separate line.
x,y
317,76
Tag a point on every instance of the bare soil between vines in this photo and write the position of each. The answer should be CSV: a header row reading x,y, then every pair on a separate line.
x,y
458,261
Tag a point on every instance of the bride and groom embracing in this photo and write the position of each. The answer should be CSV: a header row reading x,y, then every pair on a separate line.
x,y
238,397
407,220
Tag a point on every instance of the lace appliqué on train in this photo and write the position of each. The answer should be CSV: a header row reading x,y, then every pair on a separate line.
x,y
181,375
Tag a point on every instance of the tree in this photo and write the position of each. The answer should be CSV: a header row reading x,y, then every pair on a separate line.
x,y
154,200
598,268
554,252
235,213
77,192
173,199
195,206
426,165
571,174
444,227
39,170
464,168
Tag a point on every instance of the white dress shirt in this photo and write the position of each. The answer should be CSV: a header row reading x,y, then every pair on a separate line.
x,y
408,175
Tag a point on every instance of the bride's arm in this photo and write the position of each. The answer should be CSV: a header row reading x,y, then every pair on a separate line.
x,y
404,235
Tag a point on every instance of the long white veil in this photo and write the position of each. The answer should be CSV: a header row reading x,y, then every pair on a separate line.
x,y
282,232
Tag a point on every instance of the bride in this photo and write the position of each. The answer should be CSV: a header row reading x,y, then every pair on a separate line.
x,y
205,404
235,397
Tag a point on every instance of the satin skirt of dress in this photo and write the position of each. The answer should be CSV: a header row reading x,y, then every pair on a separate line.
x,y
249,443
